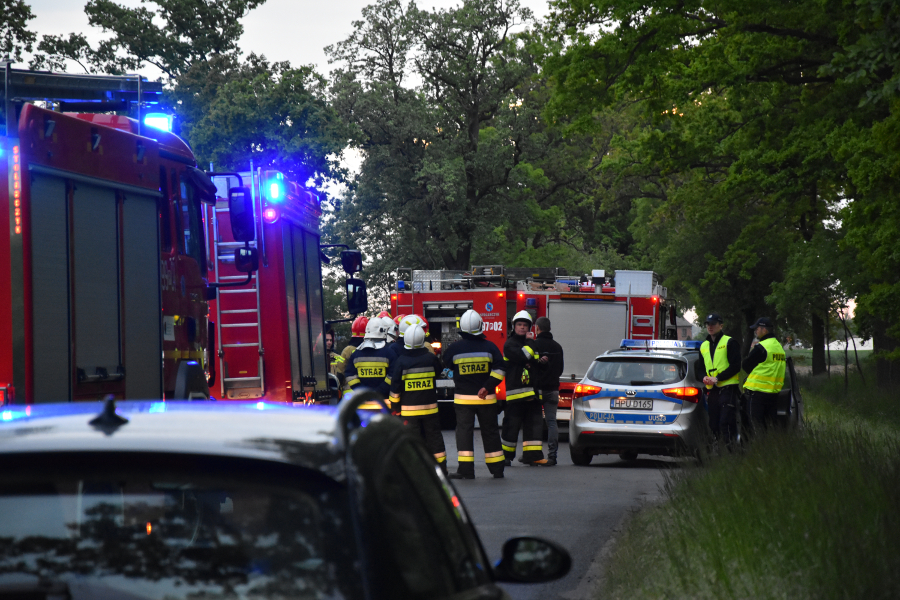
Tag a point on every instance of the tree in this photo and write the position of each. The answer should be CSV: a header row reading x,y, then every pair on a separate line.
x,y
15,37
746,100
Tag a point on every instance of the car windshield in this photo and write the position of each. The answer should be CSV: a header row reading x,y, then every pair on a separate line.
x,y
643,371
175,534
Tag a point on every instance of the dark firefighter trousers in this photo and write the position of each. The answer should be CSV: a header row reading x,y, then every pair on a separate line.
x,y
490,437
524,415
429,428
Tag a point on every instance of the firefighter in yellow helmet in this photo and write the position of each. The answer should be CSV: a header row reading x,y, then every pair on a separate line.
x,y
522,410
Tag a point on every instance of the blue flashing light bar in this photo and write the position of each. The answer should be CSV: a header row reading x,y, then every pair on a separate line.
x,y
660,344
160,121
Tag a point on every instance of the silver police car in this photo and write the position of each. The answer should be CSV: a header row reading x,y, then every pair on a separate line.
x,y
643,398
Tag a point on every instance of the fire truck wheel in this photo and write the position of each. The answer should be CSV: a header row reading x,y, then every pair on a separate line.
x,y
190,382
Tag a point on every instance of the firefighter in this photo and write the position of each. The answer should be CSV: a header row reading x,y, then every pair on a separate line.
x,y
523,410
413,393
358,332
478,369
722,363
369,367
765,366
335,360
395,338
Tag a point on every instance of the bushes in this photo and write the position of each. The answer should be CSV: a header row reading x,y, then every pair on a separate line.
x,y
814,514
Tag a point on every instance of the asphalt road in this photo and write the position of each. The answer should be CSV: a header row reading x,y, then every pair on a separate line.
x,y
578,507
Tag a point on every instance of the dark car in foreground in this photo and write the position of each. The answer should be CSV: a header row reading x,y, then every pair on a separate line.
x,y
237,500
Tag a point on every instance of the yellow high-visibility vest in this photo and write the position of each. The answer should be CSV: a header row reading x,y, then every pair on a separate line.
x,y
719,363
768,376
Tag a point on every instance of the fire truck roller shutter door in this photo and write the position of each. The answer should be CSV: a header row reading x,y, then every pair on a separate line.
x,y
143,369
96,279
50,300
585,330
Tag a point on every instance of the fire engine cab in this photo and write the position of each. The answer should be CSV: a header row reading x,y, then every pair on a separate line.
x,y
588,314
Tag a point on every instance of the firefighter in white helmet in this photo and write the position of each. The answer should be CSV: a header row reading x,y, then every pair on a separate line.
x,y
369,367
413,393
414,320
478,369
522,410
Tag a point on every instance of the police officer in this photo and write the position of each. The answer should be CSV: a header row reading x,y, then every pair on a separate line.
x,y
765,366
413,393
478,369
522,411
721,369
369,367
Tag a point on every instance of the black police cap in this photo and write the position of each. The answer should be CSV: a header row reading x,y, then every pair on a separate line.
x,y
713,318
764,322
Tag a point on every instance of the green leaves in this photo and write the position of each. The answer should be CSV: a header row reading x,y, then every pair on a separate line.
x,y
15,37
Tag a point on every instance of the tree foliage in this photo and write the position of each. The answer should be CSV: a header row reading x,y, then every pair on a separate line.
x,y
764,120
459,165
15,37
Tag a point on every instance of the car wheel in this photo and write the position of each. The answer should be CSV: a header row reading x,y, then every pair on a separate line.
x,y
580,456
628,455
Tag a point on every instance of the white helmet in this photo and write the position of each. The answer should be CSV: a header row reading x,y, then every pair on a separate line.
x,y
523,315
414,337
390,328
408,321
375,329
470,322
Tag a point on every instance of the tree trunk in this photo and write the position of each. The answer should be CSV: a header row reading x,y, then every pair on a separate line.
x,y
818,344
887,372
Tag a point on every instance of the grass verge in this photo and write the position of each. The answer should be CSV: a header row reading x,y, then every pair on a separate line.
x,y
814,514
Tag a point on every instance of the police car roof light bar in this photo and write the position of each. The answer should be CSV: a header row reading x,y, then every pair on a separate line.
x,y
659,344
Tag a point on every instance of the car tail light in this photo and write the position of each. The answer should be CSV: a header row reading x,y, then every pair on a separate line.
x,y
582,390
688,394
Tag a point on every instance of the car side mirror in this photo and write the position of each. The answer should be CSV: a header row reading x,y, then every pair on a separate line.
x,y
532,560
240,209
672,315
357,298
246,260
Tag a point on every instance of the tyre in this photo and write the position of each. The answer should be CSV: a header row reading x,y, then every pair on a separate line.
x,y
628,455
580,456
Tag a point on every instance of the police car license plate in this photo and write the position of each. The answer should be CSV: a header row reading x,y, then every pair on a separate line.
x,y
632,403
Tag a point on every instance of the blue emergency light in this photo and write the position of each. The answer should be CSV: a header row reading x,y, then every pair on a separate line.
x,y
660,344
273,186
160,121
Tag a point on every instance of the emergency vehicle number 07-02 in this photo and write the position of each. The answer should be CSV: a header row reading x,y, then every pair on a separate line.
x,y
493,326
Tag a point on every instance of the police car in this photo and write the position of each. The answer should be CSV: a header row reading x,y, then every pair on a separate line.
x,y
644,398
238,500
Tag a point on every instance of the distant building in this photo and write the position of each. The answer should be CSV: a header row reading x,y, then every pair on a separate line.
x,y
684,328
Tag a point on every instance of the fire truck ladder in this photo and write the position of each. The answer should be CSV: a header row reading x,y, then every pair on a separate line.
x,y
249,320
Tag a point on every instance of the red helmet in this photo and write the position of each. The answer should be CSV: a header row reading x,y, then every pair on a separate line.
x,y
424,323
385,313
397,319
358,329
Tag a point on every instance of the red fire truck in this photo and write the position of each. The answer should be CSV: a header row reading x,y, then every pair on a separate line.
x,y
103,278
589,314
270,327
